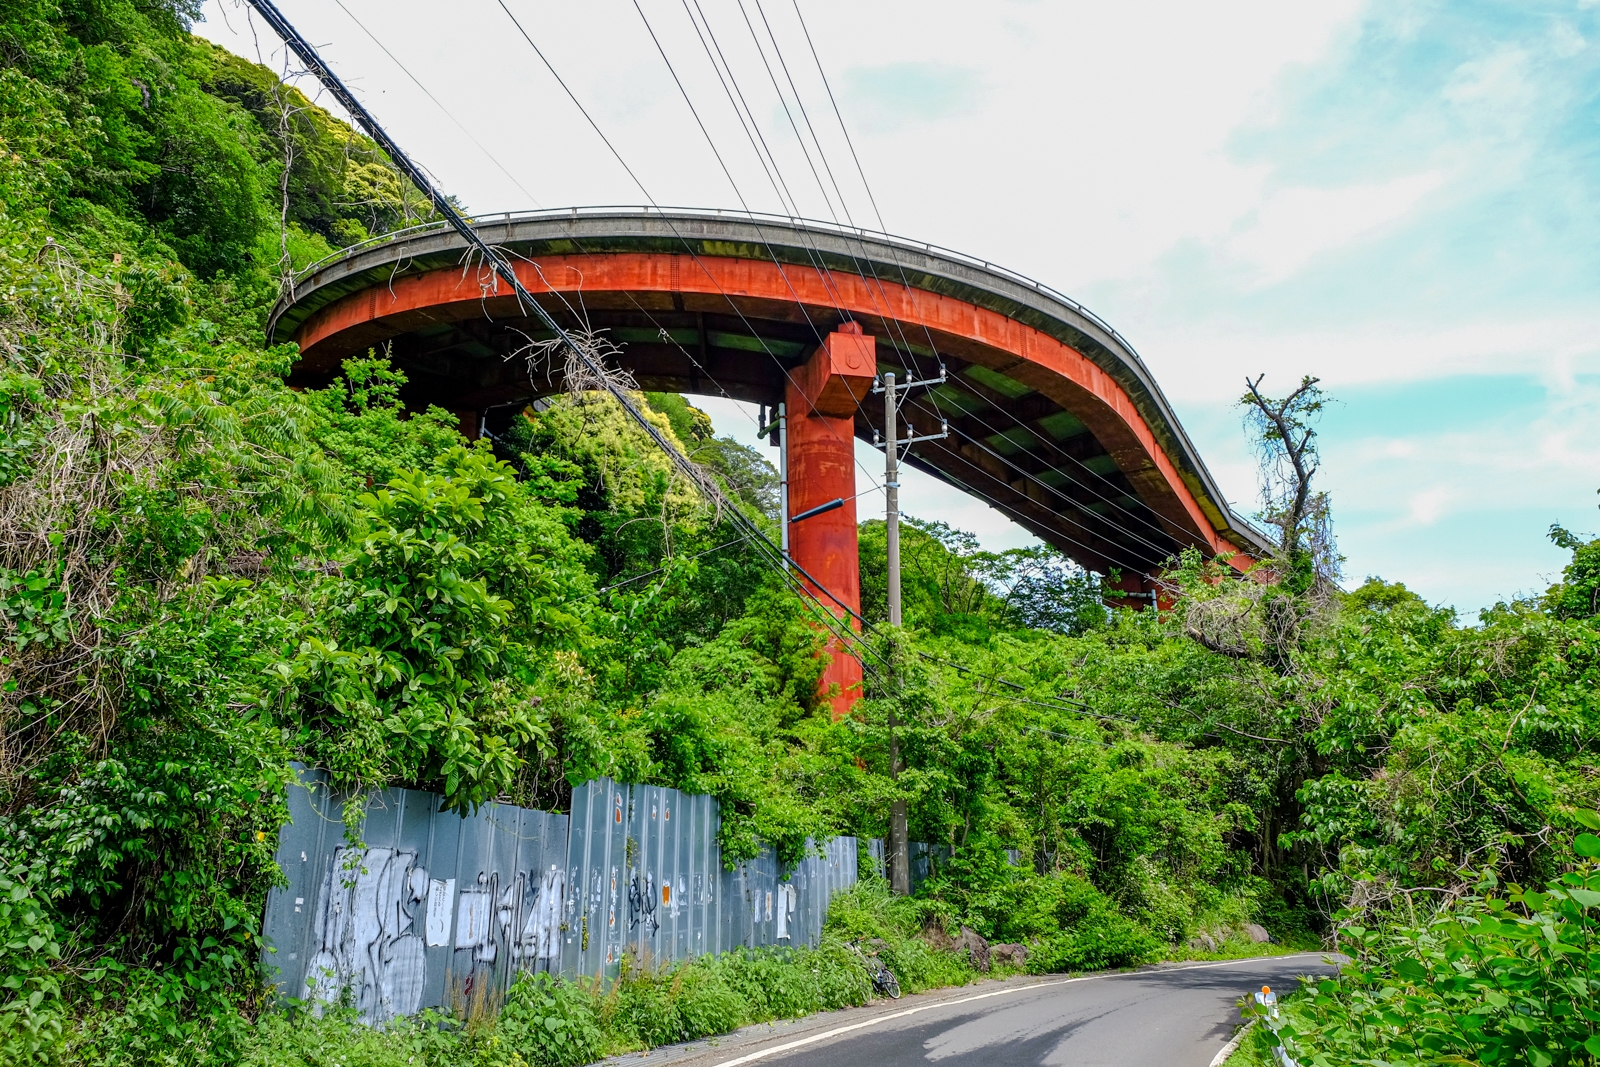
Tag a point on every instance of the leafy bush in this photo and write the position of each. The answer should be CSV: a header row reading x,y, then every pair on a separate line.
x,y
1068,922
716,994
1106,940
548,1023
1502,978
867,911
281,1039
30,994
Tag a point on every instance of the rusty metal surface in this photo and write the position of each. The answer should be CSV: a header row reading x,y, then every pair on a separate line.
x,y
432,909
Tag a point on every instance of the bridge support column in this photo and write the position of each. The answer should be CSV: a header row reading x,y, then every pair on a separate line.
x,y
822,399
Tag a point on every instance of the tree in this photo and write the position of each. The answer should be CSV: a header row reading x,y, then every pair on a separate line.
x,y
1045,590
1287,445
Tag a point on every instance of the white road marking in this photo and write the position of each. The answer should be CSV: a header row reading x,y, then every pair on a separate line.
x,y
1232,1046
790,1046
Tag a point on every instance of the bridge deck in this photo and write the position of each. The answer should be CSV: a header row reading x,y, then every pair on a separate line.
x,y
1054,419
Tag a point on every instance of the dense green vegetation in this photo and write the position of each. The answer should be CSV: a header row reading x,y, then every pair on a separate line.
x,y
205,574
1504,975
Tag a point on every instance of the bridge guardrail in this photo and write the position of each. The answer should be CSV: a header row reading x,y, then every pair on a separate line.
x,y
832,228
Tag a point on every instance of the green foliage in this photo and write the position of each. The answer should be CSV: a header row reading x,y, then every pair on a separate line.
x,y
1577,596
1073,925
1498,978
360,423
31,1011
950,586
744,472
549,1023
553,1022
205,196
427,673
282,1039
1256,1049
340,187
868,912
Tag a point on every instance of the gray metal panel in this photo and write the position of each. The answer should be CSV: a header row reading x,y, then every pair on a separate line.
x,y
575,915
707,869
435,909
416,832
764,894
288,928
444,850
597,850
737,929
879,852
682,871
795,890
920,864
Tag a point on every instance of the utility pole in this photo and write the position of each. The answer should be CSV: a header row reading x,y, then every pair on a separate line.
x,y
891,487
783,481
899,845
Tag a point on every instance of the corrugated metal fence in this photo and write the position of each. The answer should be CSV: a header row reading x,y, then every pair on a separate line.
x,y
433,910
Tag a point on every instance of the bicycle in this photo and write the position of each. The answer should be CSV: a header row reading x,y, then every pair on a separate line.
x,y
883,979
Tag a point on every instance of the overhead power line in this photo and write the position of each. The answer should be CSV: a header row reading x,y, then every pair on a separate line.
x,y
504,271
670,225
491,256
878,214
904,344
429,94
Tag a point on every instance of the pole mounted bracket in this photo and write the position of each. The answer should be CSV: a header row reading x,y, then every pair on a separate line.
x,y
907,442
944,376
832,505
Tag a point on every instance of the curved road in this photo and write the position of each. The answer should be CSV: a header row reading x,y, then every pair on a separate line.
x,y
1178,1015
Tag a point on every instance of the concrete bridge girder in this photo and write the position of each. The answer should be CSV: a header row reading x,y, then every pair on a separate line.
x,y
1056,421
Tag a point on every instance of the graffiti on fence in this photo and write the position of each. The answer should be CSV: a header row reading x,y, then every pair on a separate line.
x,y
434,905
365,914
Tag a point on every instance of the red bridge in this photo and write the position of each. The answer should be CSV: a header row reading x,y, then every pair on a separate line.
x,y
1053,418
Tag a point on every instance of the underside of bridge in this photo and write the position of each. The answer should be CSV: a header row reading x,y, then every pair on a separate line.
x,y
1052,417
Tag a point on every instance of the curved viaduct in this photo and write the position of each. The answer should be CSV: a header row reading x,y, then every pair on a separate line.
x,y
1053,418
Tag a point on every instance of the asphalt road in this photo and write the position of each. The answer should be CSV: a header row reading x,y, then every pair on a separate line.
x,y
1174,1016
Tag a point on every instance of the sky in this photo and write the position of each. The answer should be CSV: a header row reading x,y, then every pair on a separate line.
x,y
1400,198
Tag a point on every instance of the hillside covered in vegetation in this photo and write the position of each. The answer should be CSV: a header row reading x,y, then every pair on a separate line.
x,y
205,575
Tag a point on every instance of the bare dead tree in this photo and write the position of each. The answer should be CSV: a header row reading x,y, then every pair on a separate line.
x,y
1286,439
287,111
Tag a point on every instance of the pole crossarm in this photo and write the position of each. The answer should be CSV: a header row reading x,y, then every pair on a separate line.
x,y
944,376
894,394
944,431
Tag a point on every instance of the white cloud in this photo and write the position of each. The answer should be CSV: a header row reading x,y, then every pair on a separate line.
x,y
892,96
1205,364
1427,506
1500,78
1293,226
1565,40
